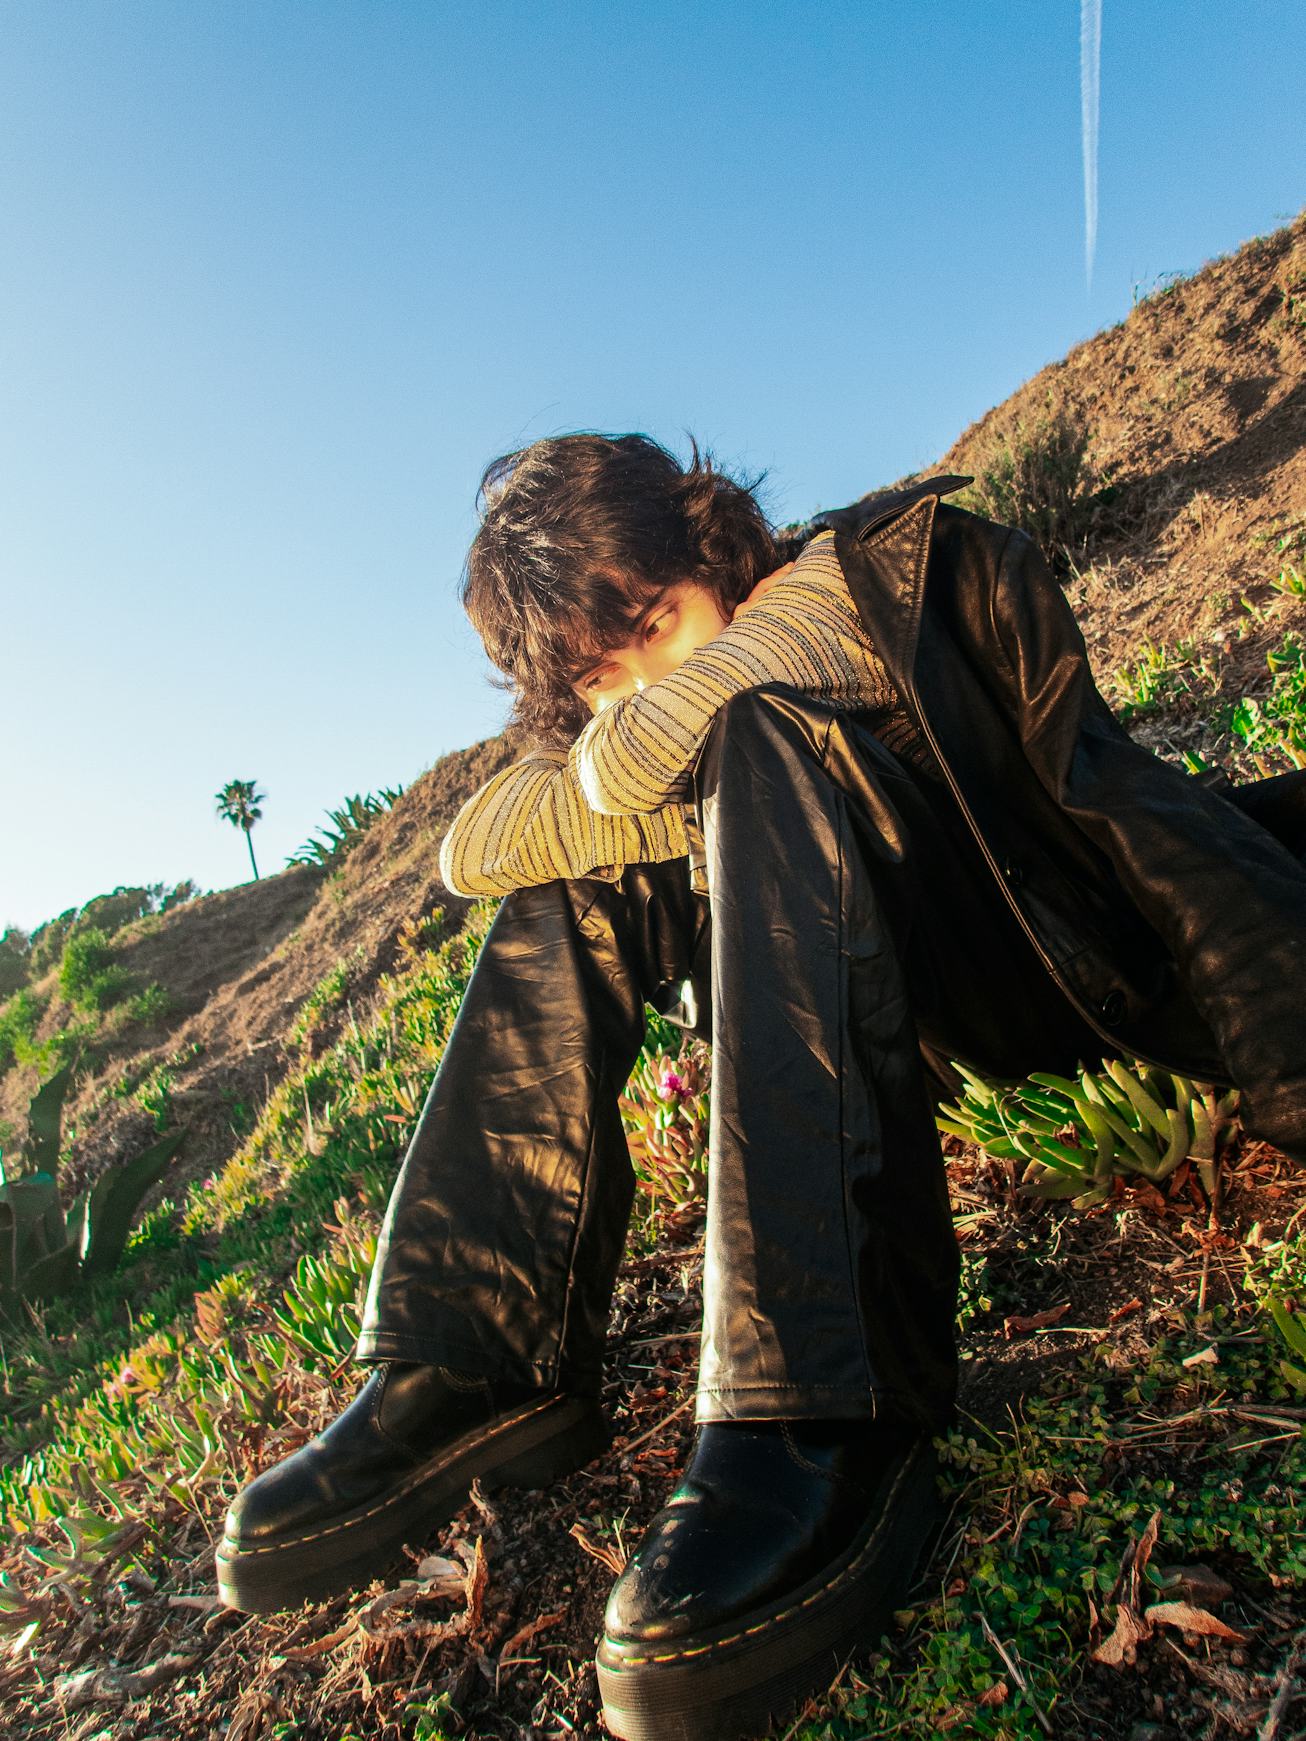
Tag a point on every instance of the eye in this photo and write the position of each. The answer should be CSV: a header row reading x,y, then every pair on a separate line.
x,y
662,617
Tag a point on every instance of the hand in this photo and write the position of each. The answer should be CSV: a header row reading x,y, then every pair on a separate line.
x,y
759,591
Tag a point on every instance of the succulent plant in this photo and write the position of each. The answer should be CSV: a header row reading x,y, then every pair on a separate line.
x,y
1123,1119
45,1250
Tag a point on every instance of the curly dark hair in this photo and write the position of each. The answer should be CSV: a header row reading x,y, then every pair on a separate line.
x,y
578,534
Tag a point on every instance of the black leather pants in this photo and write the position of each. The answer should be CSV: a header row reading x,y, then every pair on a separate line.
x,y
853,940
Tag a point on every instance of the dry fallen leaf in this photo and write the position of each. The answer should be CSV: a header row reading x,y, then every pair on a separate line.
x,y
1190,1619
436,1569
1122,1646
610,1555
1204,1357
1130,1628
1034,1321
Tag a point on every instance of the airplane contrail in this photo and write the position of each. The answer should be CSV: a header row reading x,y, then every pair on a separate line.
x,y
1090,66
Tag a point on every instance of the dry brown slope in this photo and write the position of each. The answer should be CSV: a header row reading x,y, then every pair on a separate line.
x,y
1196,408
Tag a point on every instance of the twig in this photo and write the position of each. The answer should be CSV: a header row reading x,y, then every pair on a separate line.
x,y
1283,1696
658,1426
1020,1680
657,1260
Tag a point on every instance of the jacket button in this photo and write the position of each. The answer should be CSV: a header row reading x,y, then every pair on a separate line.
x,y
1013,873
1113,1008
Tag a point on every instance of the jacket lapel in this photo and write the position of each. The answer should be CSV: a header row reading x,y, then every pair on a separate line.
x,y
885,571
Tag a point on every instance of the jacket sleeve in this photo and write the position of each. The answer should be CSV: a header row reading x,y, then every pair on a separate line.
x,y
1227,899
637,755
531,823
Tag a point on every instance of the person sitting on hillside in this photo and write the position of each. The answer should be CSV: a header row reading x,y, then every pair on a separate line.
x,y
850,806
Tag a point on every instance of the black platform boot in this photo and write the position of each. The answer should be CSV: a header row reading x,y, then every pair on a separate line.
x,y
398,1462
786,1546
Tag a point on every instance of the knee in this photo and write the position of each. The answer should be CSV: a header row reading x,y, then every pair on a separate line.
x,y
771,714
770,710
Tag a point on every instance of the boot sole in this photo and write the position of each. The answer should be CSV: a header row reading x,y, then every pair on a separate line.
x,y
747,1676
529,1447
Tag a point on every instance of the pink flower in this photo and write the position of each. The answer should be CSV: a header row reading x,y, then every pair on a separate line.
x,y
672,1084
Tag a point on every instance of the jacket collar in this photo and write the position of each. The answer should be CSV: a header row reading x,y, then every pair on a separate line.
x,y
883,545
862,516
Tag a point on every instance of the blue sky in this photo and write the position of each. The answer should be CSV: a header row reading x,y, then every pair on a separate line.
x,y
277,279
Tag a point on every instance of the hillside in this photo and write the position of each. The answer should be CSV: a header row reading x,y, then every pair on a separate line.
x,y
1108,1350
1196,410
238,964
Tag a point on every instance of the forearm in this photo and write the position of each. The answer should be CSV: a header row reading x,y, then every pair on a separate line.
x,y
637,755
531,823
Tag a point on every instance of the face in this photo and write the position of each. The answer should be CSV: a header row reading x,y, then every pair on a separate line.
x,y
683,618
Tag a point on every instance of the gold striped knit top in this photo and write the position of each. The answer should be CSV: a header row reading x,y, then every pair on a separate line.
x,y
623,794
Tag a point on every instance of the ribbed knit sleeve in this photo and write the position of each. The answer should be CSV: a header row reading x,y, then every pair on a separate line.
x,y
531,823
635,756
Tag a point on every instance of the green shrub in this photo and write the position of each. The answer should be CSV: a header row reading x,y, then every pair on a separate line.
x,y
37,953
1033,475
47,942
15,946
18,1023
88,976
149,1005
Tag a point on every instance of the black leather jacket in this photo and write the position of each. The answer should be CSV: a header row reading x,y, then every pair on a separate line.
x,y
1170,908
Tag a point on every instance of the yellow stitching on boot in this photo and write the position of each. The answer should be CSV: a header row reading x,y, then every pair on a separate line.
x,y
806,1462
375,1411
396,1493
461,1380
772,1619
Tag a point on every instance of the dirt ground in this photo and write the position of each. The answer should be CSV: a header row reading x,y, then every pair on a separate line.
x,y
517,1664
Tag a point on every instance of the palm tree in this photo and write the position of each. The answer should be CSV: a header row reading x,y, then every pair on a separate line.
x,y
238,803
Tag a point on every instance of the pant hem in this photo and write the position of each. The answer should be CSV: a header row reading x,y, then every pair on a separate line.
x,y
771,1402
373,1346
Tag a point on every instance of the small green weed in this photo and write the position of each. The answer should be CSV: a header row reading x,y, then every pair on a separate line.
x,y
1290,581
1274,725
327,995
1050,1509
1155,289
1162,677
154,1095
